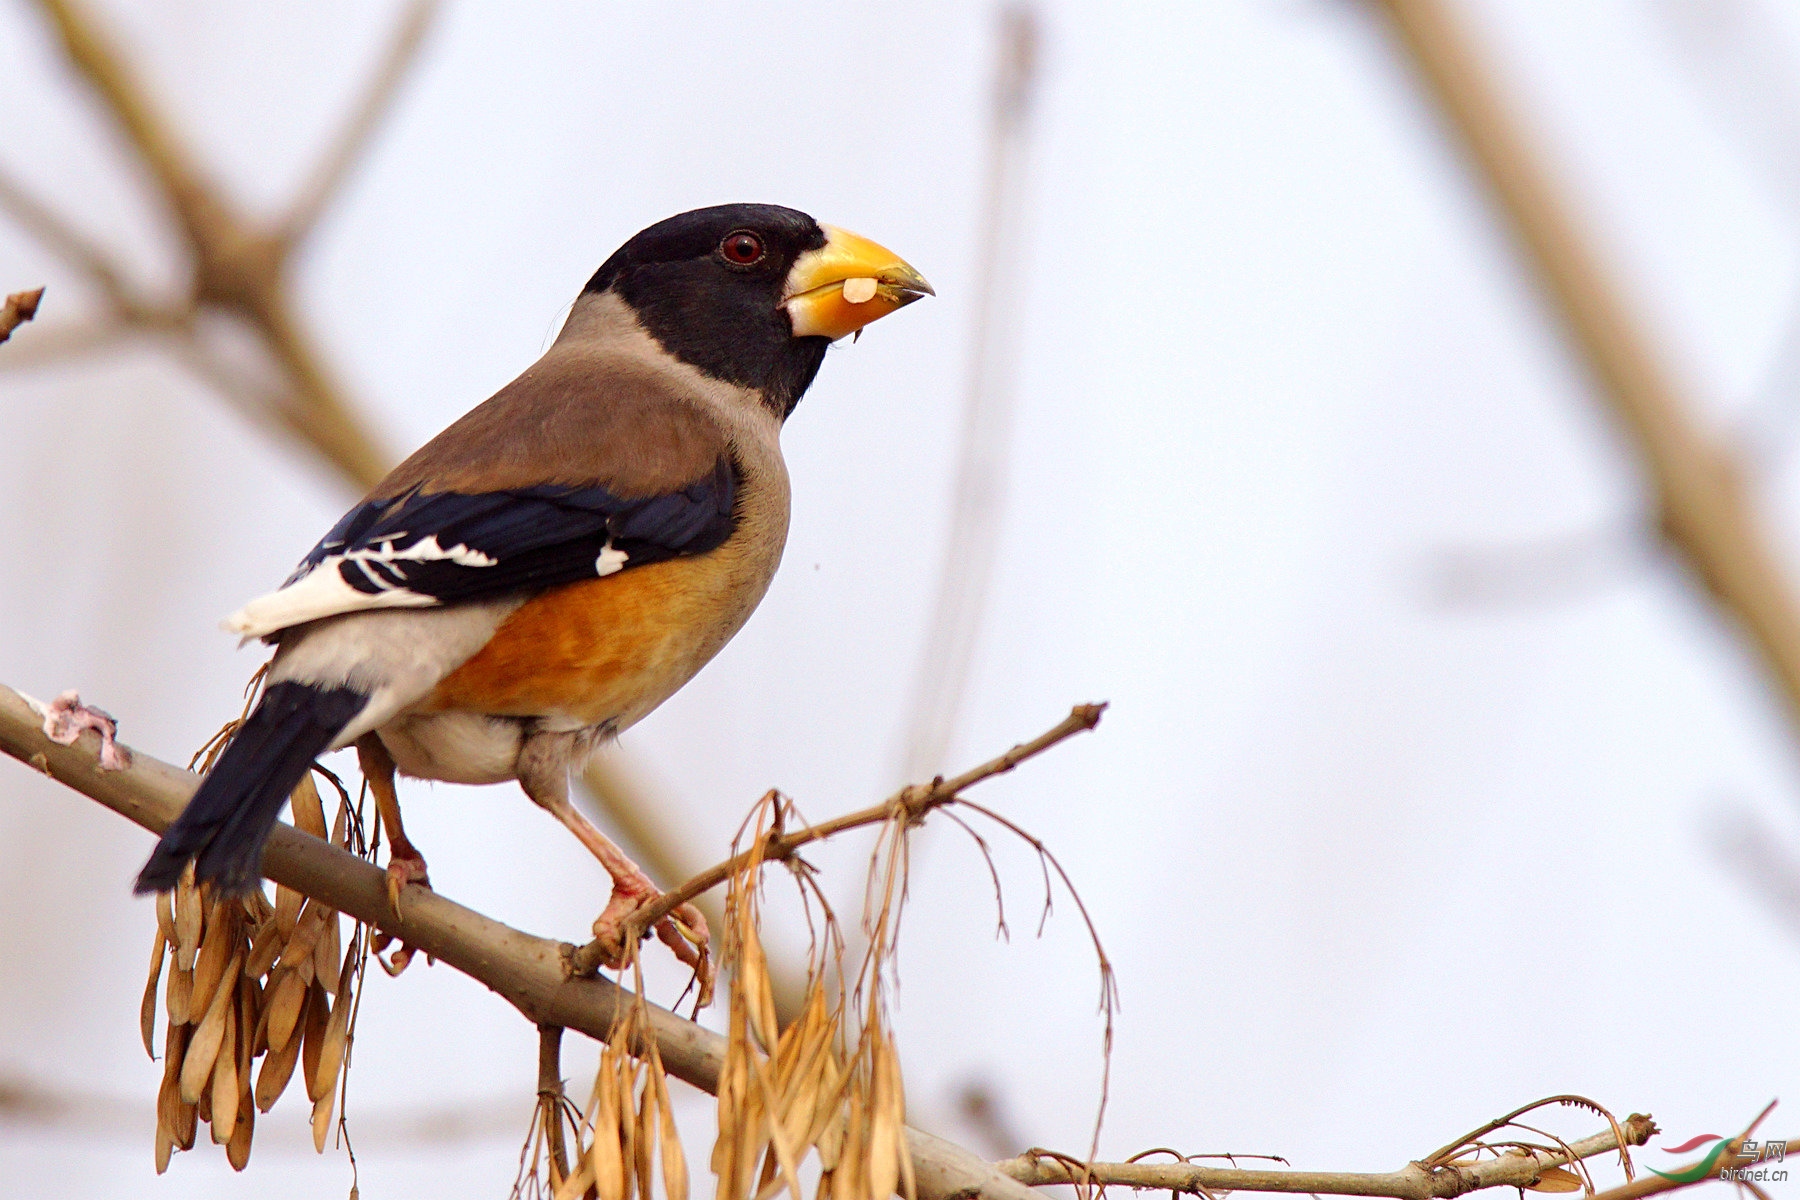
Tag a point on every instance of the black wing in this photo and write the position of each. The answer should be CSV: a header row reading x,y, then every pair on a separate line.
x,y
422,549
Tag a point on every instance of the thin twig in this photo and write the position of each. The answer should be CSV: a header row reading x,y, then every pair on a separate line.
x,y
529,972
19,308
916,800
1415,1181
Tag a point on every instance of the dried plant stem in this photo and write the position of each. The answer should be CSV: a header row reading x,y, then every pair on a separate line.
x,y
1415,1181
1705,510
19,308
530,972
916,800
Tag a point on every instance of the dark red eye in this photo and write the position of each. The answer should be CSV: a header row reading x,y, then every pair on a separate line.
x,y
742,248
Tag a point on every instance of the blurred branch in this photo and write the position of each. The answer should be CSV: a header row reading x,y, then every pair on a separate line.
x,y
1704,509
971,546
19,308
529,972
1416,1181
237,265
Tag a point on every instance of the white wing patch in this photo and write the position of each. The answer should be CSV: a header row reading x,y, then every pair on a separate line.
x,y
610,560
322,592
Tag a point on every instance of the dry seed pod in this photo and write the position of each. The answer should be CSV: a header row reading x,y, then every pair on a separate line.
x,y
850,1180
237,1151
321,1121
643,1142
625,1081
579,1182
605,1152
284,999
327,953
897,1101
250,1012
257,907
287,909
147,1009
884,1130
165,915
674,1162
309,810
265,947
189,917
203,1048
178,995
218,946
306,933
225,1086
165,1146
168,1096
322,1076
318,1021
277,1069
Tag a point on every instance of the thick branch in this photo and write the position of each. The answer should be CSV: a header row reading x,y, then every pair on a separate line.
x,y
1705,511
1413,1182
527,971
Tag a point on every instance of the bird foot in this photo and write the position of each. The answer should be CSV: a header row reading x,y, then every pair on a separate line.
x,y
66,717
682,931
405,865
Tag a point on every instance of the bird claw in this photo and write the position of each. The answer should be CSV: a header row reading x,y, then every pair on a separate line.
x,y
66,717
396,962
683,931
404,868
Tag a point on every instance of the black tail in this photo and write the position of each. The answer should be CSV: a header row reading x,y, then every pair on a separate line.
x,y
224,826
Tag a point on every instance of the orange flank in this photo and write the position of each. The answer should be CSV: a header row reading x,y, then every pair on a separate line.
x,y
603,650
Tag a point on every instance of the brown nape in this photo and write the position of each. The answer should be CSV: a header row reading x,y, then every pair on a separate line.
x,y
565,422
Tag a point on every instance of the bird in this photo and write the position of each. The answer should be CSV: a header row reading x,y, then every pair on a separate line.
x,y
560,560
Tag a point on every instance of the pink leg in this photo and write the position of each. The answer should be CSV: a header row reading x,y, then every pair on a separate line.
x,y
405,863
66,716
543,773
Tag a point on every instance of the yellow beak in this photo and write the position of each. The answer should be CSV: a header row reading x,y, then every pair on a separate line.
x,y
847,283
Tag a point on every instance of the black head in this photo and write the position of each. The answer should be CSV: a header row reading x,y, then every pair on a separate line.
x,y
709,286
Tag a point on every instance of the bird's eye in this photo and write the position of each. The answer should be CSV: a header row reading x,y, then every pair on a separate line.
x,y
742,248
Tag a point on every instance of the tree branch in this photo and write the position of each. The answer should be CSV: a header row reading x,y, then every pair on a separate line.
x,y
1705,511
237,264
1415,1181
528,971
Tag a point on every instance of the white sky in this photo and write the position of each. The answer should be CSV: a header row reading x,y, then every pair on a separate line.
x,y
1372,867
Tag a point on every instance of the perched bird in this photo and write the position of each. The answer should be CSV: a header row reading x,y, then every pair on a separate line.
x,y
560,560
